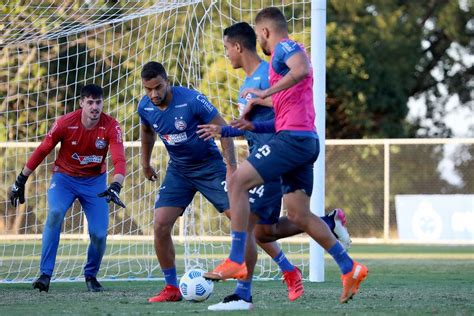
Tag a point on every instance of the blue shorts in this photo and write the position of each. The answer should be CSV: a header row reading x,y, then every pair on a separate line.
x,y
290,156
265,202
180,186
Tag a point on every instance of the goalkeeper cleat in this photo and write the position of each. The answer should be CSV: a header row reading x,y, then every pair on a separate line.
x,y
351,281
340,229
232,303
169,294
93,285
228,269
42,283
294,282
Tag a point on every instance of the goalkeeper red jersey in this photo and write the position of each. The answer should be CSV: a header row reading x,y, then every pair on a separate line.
x,y
83,151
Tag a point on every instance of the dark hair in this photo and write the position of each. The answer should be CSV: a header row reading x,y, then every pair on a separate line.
x,y
242,33
153,69
275,15
92,90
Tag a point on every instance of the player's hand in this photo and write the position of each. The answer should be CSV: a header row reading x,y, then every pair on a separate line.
x,y
17,192
150,173
242,124
112,194
209,131
256,93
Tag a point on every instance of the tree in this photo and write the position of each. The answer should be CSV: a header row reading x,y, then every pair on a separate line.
x,y
382,53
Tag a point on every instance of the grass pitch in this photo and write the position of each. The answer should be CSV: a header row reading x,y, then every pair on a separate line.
x,y
412,280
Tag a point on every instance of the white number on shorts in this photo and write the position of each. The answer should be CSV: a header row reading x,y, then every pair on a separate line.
x,y
224,183
258,190
264,150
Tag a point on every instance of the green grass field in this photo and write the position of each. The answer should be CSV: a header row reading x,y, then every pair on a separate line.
x,y
402,280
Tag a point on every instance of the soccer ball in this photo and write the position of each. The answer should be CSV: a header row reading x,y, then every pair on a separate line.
x,y
194,287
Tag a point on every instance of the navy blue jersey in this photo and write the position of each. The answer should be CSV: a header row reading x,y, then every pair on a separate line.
x,y
177,125
260,80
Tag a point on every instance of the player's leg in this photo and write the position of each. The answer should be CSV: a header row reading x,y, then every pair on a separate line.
x,y
265,203
97,214
210,181
175,193
336,221
241,299
60,198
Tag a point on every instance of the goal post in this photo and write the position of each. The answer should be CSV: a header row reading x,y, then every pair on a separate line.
x,y
50,49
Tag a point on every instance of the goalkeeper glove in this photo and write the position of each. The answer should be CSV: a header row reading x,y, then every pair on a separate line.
x,y
112,194
17,193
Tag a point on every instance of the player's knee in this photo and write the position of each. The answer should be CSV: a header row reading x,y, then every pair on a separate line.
x,y
162,229
264,233
98,239
296,217
55,218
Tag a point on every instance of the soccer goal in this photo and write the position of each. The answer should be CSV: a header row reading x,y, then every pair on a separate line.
x,y
50,49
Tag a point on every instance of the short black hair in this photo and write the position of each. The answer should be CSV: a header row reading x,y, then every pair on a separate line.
x,y
153,69
275,15
92,90
242,33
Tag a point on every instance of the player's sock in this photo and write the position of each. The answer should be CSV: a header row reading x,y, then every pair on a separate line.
x,y
237,249
244,290
341,257
283,262
329,220
170,276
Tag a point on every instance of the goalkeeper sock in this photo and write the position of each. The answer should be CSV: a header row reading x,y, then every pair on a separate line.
x,y
170,276
341,257
243,289
237,249
283,262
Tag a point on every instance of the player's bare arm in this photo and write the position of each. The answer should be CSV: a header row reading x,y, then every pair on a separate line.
x,y
209,131
242,124
228,149
148,138
256,101
299,68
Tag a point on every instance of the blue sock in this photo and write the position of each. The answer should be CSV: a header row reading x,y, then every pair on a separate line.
x,y
170,276
237,249
283,262
244,290
343,260
329,220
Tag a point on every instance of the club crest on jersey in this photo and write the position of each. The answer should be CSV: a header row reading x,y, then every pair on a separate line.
x,y
100,143
180,124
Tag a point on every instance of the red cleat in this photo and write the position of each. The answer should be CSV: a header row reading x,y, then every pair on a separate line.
x,y
351,281
228,269
294,282
169,294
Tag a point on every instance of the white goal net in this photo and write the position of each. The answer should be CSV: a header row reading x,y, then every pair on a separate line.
x,y
50,49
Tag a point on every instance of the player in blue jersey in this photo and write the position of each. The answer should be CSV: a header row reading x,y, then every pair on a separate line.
x,y
290,154
265,200
195,164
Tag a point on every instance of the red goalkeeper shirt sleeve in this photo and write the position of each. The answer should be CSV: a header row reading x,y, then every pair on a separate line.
x,y
47,145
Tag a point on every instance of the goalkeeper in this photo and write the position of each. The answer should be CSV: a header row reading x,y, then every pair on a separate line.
x,y
79,172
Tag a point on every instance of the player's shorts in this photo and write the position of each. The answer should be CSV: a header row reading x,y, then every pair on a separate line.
x,y
289,155
265,202
180,186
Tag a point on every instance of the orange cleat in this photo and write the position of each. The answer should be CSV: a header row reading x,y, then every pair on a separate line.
x,y
169,294
351,281
228,269
294,282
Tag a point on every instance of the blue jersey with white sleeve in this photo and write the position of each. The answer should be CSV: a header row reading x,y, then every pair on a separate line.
x,y
260,80
177,124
